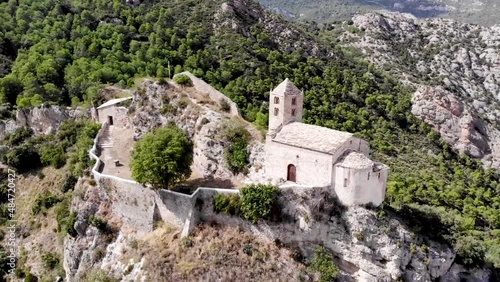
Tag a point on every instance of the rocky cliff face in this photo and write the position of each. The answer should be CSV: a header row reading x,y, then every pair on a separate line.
x,y
368,246
239,15
42,120
156,105
455,66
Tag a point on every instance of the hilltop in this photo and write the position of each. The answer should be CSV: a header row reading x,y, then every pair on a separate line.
x,y
478,12
70,50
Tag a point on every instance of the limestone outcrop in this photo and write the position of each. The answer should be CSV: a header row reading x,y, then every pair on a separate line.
x,y
454,67
458,123
156,105
42,120
368,246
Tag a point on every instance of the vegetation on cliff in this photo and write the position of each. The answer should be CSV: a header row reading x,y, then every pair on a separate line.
x,y
162,158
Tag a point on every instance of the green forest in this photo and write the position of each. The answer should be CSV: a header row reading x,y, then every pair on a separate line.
x,y
64,51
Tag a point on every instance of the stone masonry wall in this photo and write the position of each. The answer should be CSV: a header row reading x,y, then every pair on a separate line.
x,y
119,114
360,186
312,168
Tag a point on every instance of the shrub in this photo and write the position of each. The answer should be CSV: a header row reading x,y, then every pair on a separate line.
x,y
162,158
99,275
187,242
162,81
248,249
227,203
19,136
65,223
224,105
69,183
98,223
236,153
44,202
52,154
23,158
183,80
69,228
50,260
167,109
322,263
237,156
182,104
470,250
258,202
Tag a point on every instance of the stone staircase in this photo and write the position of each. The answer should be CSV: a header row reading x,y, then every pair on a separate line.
x,y
106,141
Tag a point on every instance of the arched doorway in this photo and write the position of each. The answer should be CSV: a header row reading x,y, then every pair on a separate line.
x,y
291,173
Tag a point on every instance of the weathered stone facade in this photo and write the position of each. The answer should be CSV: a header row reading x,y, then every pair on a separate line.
x,y
318,156
113,113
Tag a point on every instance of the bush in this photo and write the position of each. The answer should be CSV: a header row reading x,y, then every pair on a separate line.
x,y
23,158
19,136
44,202
81,160
224,105
470,250
162,81
52,154
162,158
227,203
99,275
181,104
258,202
50,260
69,183
187,242
322,263
236,153
237,156
30,278
65,223
183,80
98,223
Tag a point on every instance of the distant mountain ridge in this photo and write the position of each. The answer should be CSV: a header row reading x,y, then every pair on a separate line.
x,y
482,12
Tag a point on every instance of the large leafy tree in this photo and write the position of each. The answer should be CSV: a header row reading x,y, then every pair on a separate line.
x,y
162,158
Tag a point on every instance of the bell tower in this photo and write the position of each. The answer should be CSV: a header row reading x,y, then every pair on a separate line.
x,y
285,106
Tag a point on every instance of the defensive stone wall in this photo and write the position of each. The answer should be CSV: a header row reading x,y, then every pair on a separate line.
x,y
175,208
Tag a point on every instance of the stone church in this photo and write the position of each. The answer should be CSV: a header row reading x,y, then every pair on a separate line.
x,y
317,156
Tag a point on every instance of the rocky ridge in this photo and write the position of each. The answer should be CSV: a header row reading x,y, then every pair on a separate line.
x,y
367,246
455,68
156,105
239,15
42,119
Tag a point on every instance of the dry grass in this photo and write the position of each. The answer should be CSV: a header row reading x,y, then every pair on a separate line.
x,y
213,253
39,232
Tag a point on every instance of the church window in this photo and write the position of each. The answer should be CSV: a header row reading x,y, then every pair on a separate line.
x,y
379,175
345,182
276,100
368,176
293,112
294,101
276,111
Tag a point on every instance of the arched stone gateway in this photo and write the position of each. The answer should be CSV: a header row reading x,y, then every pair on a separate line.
x,y
291,173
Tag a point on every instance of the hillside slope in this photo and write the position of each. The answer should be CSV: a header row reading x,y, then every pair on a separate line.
x,y
70,50
455,66
480,11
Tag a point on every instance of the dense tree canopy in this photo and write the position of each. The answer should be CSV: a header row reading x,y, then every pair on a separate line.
x,y
162,158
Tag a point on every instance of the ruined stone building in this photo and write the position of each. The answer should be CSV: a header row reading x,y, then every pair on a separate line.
x,y
113,112
318,156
